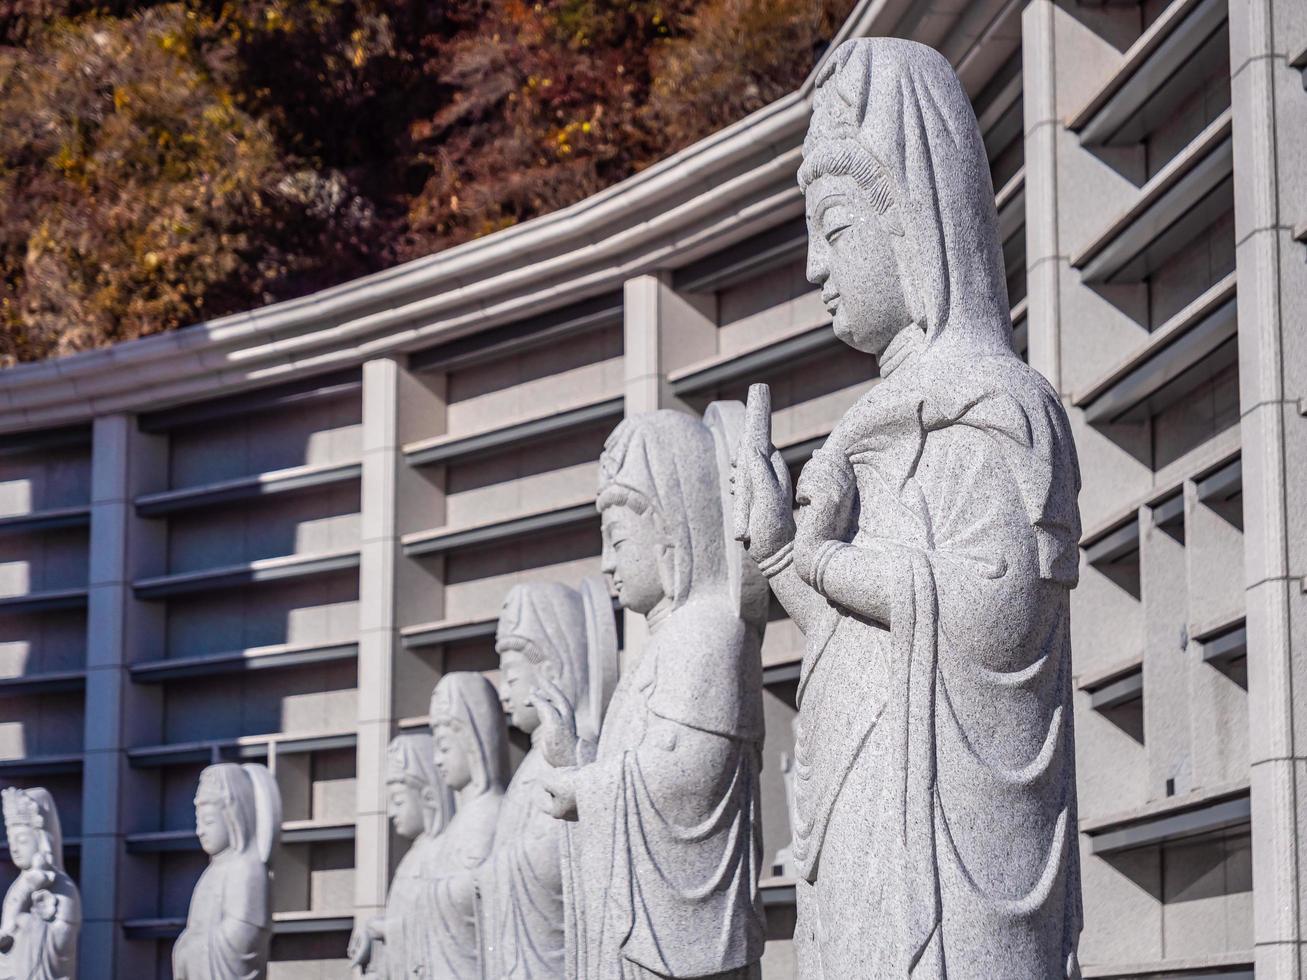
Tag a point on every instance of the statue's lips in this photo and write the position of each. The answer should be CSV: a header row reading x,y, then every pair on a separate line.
x,y
832,303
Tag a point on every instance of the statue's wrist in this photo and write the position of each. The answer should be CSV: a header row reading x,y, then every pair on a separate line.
x,y
826,552
778,561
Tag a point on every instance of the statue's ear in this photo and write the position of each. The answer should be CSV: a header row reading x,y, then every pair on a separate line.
x,y
666,565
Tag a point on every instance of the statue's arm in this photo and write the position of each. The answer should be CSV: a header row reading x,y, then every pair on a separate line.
x,y
800,601
681,789
859,578
238,934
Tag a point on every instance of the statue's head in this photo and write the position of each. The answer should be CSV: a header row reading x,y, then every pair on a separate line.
x,y
901,221
32,826
661,510
471,738
420,802
541,636
237,808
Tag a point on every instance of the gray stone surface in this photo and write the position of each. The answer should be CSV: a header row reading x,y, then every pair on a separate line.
x,y
420,808
229,924
42,911
930,563
667,831
563,641
471,756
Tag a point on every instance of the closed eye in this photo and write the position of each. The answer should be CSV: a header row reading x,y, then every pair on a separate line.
x,y
833,234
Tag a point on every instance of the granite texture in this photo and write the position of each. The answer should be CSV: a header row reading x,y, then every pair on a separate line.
x,y
420,808
564,641
930,563
667,828
471,756
42,911
229,924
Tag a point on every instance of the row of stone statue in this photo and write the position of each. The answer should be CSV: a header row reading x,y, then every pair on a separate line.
x,y
928,565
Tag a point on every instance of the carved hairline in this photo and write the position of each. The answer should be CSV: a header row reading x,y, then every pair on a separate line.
x,y
846,158
616,495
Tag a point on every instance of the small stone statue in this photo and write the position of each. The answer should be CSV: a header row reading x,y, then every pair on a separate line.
x,y
667,814
42,910
931,563
554,638
471,756
420,808
782,864
229,925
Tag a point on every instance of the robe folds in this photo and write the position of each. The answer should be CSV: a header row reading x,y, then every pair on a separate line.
x,y
666,868
234,887
46,949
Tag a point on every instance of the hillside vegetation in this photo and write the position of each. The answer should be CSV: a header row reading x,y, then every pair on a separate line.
x,y
166,163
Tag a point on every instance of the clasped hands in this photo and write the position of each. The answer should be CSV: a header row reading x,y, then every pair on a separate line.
x,y
560,744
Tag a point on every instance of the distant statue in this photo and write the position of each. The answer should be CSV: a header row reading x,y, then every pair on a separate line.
x,y
668,828
562,641
42,910
390,947
229,925
782,865
471,756
931,564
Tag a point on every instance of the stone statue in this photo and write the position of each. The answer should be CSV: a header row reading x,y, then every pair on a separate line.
x,y
782,864
42,910
930,565
471,756
555,638
389,947
668,812
229,925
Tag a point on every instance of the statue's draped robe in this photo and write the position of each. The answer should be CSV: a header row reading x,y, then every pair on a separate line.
x,y
405,942
46,950
234,886
661,897
521,885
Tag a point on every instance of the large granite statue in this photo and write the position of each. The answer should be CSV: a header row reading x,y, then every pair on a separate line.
x,y
390,947
42,910
552,637
471,756
668,825
931,564
229,925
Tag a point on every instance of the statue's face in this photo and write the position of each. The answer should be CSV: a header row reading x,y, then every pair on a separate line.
x,y
451,761
22,846
632,550
406,812
211,828
851,258
518,677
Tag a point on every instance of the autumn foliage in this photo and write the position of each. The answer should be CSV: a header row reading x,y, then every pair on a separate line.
x,y
165,163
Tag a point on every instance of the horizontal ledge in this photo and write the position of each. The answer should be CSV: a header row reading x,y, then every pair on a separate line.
x,y
744,259
443,541
239,661
1160,53
21,443
430,452
41,765
1224,645
47,601
282,924
1175,347
47,683
276,397
235,576
1115,693
781,673
437,634
1115,544
292,832
777,893
1217,966
1222,483
46,520
228,750
1170,512
290,480
169,927
1010,203
1173,195
1187,818
722,370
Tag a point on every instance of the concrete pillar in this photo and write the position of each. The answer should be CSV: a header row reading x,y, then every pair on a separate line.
x,y
115,798
1270,139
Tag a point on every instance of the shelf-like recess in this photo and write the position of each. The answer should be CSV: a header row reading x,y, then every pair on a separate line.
x,y
442,541
1156,72
1225,645
777,892
1182,343
169,927
1169,512
22,443
440,633
279,657
1115,544
790,352
246,573
745,260
291,480
292,832
1125,688
1209,966
274,399
1021,326
1010,203
787,673
1171,210
283,923
1177,818
51,682
1221,484
446,449
46,520
236,749
48,600
41,765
